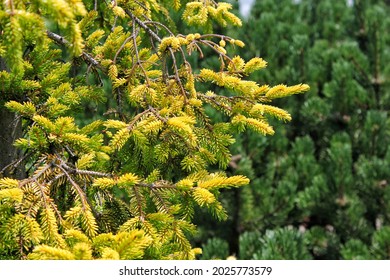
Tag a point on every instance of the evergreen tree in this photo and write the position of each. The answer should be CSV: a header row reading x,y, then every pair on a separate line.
x,y
321,183
126,184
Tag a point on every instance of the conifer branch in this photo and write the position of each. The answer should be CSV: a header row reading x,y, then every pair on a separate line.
x,y
212,99
138,63
36,176
157,185
15,163
54,207
160,199
86,172
42,192
139,204
133,36
157,115
62,41
144,26
80,192
159,24
214,46
136,118
177,78
81,171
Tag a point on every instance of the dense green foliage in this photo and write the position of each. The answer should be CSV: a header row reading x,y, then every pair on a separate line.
x,y
320,187
119,150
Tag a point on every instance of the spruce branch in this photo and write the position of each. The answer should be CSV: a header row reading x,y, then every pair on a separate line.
x,y
78,189
212,99
62,41
138,197
177,78
144,26
161,200
138,63
14,165
160,25
86,172
36,176
136,118
132,37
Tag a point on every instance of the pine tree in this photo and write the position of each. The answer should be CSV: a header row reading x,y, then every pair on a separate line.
x,y
320,185
124,183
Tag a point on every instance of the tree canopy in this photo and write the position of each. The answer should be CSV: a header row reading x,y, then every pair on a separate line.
x,y
126,181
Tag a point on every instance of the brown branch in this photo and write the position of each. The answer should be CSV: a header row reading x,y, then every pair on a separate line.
x,y
137,54
222,37
80,192
123,46
159,24
62,41
214,46
157,115
136,118
54,207
86,172
43,195
157,38
143,26
156,185
212,99
15,163
139,204
177,77
36,176
158,196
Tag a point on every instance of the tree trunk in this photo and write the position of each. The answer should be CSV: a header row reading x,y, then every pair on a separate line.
x,y
10,130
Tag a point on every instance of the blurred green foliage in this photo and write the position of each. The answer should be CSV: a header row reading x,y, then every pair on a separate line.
x,y
320,186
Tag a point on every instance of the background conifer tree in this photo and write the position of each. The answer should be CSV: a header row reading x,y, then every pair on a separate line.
x,y
110,117
320,186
